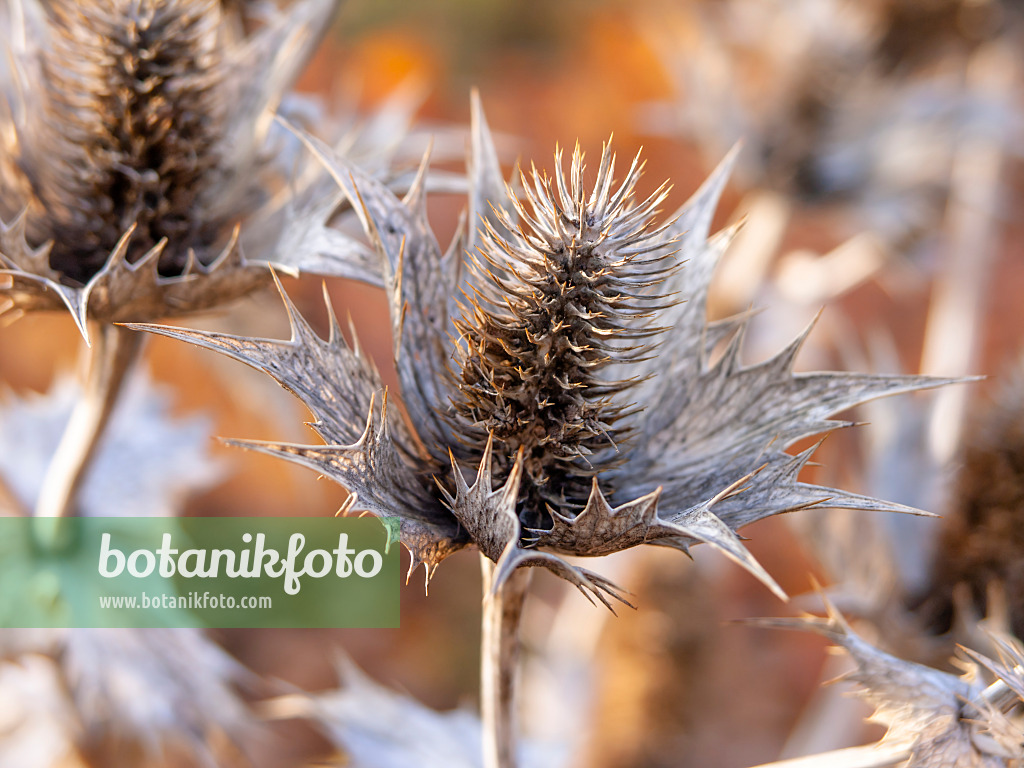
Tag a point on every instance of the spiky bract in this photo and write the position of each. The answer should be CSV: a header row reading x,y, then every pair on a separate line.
x,y
934,719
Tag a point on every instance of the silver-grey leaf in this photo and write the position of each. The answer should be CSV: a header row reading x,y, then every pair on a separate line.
x,y
371,468
335,381
419,286
934,719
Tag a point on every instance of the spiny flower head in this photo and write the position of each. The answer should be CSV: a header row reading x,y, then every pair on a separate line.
x,y
138,156
554,305
565,429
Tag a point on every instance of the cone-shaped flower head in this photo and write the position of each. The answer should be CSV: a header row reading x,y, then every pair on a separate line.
x,y
555,306
134,154
557,377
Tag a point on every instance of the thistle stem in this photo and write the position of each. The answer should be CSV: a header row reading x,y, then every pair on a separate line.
x,y
499,662
108,361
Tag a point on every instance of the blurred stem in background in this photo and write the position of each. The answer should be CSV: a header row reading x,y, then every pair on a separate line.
x,y
109,359
972,223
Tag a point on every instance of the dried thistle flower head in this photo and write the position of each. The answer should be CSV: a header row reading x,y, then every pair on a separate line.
x,y
555,307
131,102
134,156
585,437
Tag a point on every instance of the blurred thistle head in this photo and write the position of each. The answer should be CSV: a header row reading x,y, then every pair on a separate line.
x,y
135,159
124,132
570,402
980,546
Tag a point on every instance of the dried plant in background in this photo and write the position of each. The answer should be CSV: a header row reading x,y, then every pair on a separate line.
x,y
856,105
982,538
144,426
120,699
934,719
571,389
668,674
115,697
379,728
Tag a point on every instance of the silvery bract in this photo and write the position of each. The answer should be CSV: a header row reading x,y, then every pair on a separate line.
x,y
136,693
934,719
560,390
375,727
139,157
118,698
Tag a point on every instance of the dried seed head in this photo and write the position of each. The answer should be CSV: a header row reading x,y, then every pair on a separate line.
x,y
142,174
124,130
580,440
554,303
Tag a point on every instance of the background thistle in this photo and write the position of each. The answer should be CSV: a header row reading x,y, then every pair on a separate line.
x,y
933,718
131,101
138,142
980,546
